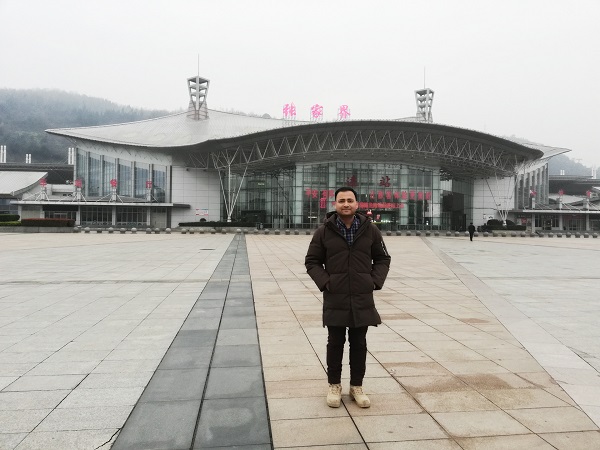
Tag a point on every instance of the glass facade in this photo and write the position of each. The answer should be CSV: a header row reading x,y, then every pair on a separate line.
x,y
399,196
110,173
96,215
81,171
7,208
159,183
60,212
94,176
456,201
124,178
134,179
141,178
131,216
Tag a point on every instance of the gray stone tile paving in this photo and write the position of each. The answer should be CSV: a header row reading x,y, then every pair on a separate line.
x,y
236,356
482,372
175,384
189,371
233,422
151,342
159,426
234,382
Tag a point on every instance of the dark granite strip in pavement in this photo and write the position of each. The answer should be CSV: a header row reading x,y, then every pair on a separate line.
x,y
208,391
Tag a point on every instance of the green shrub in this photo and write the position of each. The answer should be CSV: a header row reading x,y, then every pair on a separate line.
x,y
9,217
10,224
48,222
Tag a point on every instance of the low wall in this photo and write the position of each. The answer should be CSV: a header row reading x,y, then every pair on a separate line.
x,y
36,230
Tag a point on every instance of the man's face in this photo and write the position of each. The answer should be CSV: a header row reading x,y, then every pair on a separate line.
x,y
346,204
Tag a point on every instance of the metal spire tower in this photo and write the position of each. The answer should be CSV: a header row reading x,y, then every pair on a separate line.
x,y
424,98
198,89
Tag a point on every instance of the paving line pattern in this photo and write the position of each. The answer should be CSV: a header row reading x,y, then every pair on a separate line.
x,y
208,391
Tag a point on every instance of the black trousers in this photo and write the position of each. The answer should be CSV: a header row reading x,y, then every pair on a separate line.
x,y
357,337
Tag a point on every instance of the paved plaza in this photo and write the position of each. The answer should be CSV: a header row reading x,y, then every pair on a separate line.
x,y
179,341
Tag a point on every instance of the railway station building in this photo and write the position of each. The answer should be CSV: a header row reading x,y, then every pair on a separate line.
x,y
207,165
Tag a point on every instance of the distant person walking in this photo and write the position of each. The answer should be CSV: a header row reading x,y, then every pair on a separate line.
x,y
471,229
347,260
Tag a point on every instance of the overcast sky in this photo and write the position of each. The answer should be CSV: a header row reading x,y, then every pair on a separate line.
x,y
528,68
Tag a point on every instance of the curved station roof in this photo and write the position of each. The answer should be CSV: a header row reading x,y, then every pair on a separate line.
x,y
255,144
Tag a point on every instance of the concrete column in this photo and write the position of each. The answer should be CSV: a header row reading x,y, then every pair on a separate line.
x,y
587,222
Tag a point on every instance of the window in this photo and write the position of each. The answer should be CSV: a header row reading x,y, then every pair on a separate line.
x,y
94,176
110,173
96,215
131,216
124,179
142,176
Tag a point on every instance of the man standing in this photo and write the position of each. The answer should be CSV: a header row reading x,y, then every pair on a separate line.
x,y
471,229
347,260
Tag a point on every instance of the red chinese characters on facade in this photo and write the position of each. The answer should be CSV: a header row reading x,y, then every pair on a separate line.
x,y
289,111
148,184
43,182
113,183
385,181
78,183
379,205
343,112
352,181
380,199
316,112
314,193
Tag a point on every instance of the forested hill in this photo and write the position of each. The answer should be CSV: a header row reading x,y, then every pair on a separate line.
x,y
26,113
559,162
571,167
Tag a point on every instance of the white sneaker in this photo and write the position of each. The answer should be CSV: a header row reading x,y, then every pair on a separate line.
x,y
334,395
361,399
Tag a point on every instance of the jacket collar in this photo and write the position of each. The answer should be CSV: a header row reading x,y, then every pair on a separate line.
x,y
331,215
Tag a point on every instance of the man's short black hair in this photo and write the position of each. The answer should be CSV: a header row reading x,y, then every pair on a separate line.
x,y
346,189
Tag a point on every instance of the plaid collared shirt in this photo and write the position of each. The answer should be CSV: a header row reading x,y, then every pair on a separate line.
x,y
348,232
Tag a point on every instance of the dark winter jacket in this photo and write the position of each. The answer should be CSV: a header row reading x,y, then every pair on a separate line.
x,y
350,273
